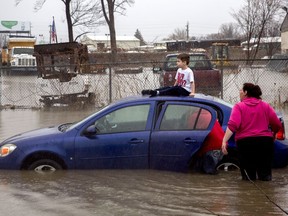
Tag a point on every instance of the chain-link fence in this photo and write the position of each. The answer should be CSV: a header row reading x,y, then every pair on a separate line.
x,y
104,84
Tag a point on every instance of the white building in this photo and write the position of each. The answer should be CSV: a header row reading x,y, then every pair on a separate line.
x,y
264,42
160,46
99,43
284,35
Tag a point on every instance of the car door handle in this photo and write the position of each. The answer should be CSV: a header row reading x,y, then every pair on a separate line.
x,y
189,141
136,141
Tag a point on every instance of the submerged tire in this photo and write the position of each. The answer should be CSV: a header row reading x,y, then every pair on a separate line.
x,y
228,164
44,166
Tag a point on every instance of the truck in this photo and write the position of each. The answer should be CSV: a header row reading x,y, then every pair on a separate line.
x,y
220,54
207,79
17,56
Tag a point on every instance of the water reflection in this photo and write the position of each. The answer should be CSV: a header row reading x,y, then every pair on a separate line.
x,y
16,121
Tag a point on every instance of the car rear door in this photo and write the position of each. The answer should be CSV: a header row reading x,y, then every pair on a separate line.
x,y
179,133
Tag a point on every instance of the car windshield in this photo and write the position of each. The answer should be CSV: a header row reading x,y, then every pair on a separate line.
x,y
76,124
196,62
23,50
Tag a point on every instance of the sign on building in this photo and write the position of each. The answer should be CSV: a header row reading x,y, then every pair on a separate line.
x,y
14,26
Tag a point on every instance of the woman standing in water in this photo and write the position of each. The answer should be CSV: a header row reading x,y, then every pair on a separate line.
x,y
254,123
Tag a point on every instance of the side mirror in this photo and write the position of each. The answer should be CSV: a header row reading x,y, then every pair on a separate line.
x,y
90,131
157,69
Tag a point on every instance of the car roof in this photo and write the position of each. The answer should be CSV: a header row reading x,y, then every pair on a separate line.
x,y
197,98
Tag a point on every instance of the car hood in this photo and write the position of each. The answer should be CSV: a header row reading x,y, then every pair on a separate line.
x,y
54,130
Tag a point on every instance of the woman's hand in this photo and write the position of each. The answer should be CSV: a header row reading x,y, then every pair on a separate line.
x,y
228,134
224,148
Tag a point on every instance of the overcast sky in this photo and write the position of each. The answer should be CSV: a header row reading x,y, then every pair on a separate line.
x,y
155,19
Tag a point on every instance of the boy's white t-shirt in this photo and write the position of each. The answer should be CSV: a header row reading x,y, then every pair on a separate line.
x,y
184,78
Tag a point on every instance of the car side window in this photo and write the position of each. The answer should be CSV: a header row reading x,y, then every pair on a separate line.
x,y
178,117
171,62
132,118
203,120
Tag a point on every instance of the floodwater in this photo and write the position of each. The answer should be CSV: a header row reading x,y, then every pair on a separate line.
x,y
129,192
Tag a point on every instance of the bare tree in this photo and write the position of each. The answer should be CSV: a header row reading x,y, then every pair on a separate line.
x,y
78,14
272,33
86,14
253,18
178,34
229,30
139,36
109,8
212,36
2,41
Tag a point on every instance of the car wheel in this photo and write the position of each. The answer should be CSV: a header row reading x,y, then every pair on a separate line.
x,y
44,166
228,164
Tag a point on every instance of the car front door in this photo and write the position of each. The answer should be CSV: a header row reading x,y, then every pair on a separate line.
x,y
179,133
121,139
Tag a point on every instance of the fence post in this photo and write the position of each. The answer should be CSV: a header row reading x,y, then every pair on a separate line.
x,y
222,78
221,69
0,88
110,84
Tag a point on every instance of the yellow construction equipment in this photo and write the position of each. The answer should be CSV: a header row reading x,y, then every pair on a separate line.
x,y
220,54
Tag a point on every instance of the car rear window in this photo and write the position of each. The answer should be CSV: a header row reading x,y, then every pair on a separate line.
x,y
196,62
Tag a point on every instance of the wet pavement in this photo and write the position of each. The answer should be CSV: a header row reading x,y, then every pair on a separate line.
x,y
129,192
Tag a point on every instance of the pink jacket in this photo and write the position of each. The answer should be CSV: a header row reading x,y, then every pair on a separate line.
x,y
253,117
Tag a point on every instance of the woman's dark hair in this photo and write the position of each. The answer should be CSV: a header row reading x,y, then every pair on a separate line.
x,y
252,90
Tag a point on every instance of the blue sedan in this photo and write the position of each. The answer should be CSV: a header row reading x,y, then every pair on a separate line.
x,y
133,133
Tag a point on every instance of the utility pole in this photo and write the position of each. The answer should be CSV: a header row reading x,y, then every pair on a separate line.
x,y
187,31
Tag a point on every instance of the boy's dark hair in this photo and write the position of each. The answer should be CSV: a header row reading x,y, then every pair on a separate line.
x,y
252,90
184,57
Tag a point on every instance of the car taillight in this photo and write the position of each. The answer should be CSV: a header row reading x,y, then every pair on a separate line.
x,y
170,78
280,135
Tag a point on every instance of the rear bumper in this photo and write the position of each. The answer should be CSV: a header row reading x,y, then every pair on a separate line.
x,y
280,153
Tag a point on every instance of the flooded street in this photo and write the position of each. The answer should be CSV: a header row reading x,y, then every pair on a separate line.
x,y
139,192
129,192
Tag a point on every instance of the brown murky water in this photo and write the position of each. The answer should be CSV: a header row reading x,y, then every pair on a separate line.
x,y
129,192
